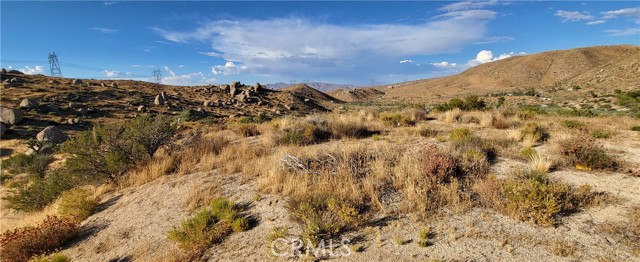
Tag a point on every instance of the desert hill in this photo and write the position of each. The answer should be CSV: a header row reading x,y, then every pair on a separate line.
x,y
320,86
600,68
308,93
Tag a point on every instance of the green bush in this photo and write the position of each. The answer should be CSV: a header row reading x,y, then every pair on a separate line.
x,y
573,124
468,104
599,134
460,136
324,216
587,153
209,226
577,112
77,204
397,119
629,100
109,151
344,129
34,164
40,192
24,243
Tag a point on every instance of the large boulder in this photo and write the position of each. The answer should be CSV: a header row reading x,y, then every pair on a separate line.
x,y
158,100
10,116
51,134
77,82
114,85
257,87
15,72
54,82
29,103
234,88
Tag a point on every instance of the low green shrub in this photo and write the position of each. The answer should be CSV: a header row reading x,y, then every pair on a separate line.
x,y
468,104
460,136
601,134
534,131
324,216
24,243
40,192
587,153
77,204
397,119
209,226
55,257
306,134
34,164
573,124
346,129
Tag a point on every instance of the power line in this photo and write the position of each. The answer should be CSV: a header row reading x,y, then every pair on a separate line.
x,y
54,65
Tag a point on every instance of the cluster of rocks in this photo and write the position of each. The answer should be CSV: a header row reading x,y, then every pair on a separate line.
x,y
243,94
161,99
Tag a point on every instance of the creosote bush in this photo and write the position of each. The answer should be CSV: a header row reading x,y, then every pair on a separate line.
x,y
469,103
209,226
573,124
584,152
56,257
109,151
24,243
535,132
303,134
40,192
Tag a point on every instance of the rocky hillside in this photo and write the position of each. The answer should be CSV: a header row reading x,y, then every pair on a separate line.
x,y
310,94
75,104
320,86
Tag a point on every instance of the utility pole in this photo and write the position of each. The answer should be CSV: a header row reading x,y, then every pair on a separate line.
x,y
157,76
54,65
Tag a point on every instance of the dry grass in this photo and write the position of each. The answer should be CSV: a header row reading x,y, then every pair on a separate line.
x,y
160,165
451,116
539,163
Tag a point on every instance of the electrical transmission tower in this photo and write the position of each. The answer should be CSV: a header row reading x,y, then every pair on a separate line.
x,y
54,65
157,75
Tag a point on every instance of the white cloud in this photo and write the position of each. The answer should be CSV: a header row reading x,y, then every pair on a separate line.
x,y
109,3
406,61
445,65
111,73
597,22
32,71
623,32
494,39
633,13
291,46
229,68
486,56
573,16
196,78
466,5
104,30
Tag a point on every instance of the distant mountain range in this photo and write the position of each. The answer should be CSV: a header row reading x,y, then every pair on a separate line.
x,y
324,87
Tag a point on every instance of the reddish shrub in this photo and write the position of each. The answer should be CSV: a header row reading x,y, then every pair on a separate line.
x,y
438,165
24,243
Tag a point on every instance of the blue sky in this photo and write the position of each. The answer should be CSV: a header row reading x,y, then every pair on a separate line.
x,y
197,43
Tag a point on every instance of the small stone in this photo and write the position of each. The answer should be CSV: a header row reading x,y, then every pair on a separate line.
x,y
77,82
51,134
28,103
141,108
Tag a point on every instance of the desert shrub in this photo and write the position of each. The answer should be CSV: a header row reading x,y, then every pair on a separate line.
x,y
40,192
469,103
350,129
77,204
397,119
438,165
460,136
209,226
629,100
34,164
635,128
530,196
324,216
107,152
24,243
56,257
246,129
304,134
576,112
428,132
415,114
587,153
535,132
601,134
573,124
528,152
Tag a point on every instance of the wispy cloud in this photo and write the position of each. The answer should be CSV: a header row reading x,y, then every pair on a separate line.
x,y
196,78
573,16
104,30
296,45
633,13
110,3
494,39
409,61
33,71
596,22
229,68
111,73
623,32
466,5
